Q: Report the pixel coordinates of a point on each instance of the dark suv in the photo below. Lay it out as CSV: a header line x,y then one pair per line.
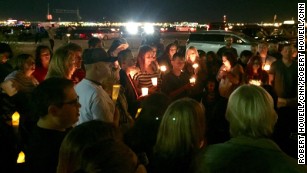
x,y
212,40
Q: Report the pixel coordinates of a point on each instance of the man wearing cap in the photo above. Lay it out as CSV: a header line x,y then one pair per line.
x,y
96,103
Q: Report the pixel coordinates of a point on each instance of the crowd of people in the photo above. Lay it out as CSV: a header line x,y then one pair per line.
x,y
164,110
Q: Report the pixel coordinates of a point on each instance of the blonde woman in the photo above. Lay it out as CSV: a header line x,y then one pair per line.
x,y
65,61
192,65
251,115
180,136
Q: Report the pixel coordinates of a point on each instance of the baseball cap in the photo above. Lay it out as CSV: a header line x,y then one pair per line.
x,y
91,56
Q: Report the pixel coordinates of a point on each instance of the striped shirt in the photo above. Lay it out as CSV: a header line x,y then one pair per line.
x,y
143,79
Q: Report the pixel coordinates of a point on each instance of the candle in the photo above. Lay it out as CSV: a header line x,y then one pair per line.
x,y
163,68
195,65
192,80
133,71
266,67
138,112
255,82
115,92
21,157
15,119
154,81
144,91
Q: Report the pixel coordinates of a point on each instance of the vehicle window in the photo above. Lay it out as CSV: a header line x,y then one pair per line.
x,y
237,40
207,37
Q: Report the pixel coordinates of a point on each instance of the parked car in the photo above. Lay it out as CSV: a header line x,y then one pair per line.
x,y
212,40
255,31
86,33
107,33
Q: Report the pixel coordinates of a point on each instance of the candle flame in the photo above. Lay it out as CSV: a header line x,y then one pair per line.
x,y
163,68
21,157
138,112
15,119
266,67
195,65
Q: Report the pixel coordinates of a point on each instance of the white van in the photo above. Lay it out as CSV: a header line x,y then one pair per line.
x,y
212,40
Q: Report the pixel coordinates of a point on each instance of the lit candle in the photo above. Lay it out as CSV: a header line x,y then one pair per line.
x,y
115,92
154,81
266,67
132,72
163,68
21,157
195,65
144,91
192,80
255,82
15,119
138,112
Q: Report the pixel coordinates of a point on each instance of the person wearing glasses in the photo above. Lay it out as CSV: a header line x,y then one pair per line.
x,y
56,104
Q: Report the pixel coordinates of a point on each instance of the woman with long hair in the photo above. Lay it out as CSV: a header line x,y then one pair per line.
x,y
254,73
181,134
143,77
230,75
43,55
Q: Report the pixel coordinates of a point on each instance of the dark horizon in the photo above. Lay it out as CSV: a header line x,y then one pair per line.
x,y
200,11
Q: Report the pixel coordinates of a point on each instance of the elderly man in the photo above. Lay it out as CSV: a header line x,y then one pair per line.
x,y
96,103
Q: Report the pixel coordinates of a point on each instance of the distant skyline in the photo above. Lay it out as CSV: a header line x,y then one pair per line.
x,y
153,10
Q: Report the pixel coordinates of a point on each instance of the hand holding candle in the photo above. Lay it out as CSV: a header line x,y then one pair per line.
x,y
255,82
192,81
163,68
266,67
154,81
195,65
144,91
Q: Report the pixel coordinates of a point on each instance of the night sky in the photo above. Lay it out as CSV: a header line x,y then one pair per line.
x,y
153,10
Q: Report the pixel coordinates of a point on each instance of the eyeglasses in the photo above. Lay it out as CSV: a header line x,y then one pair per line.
x,y
72,102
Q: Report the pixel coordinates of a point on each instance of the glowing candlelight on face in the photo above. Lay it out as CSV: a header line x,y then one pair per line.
x,y
154,81
163,68
255,82
195,65
144,91
15,119
115,92
21,157
266,67
192,80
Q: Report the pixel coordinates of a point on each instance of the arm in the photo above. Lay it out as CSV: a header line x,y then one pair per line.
x,y
236,75
221,73
271,79
180,90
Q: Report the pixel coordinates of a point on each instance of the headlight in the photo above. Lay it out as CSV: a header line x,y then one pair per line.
x,y
149,29
132,28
